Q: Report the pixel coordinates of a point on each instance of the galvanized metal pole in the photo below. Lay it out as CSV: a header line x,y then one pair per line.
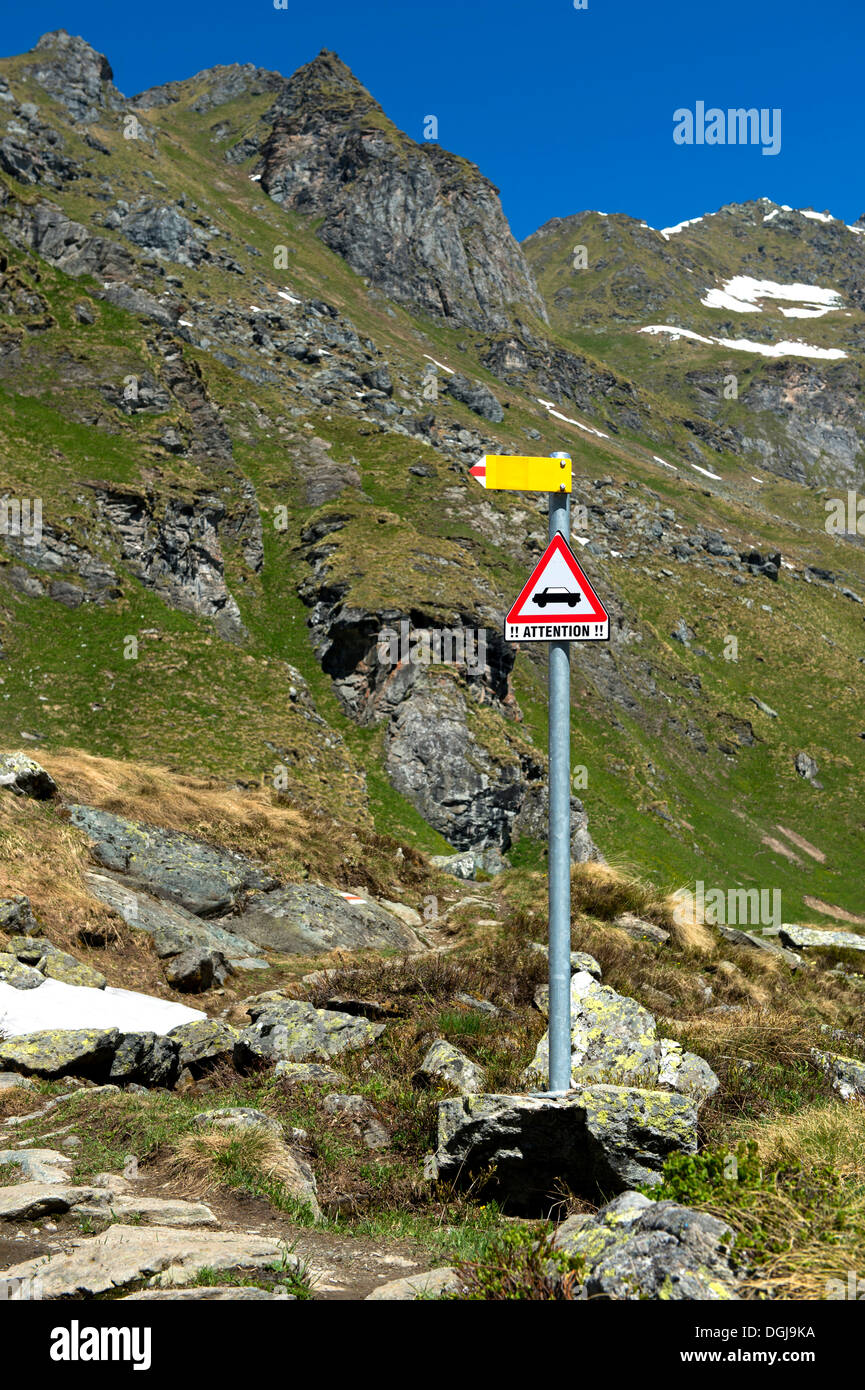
x,y
559,866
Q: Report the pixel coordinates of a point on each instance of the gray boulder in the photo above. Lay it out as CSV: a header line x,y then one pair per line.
x,y
445,1063
16,916
308,918
307,1074
18,976
634,1248
476,396
807,938
25,777
150,1059
293,1031
594,1139
204,1043
173,928
170,863
615,1040
807,768
54,1052
196,970
846,1073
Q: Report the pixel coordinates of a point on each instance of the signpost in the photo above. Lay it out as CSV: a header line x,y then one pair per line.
x,y
557,605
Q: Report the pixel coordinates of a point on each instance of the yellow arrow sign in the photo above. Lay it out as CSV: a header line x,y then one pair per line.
x,y
517,473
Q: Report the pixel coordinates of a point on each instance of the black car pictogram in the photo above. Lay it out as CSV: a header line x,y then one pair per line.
x,y
555,594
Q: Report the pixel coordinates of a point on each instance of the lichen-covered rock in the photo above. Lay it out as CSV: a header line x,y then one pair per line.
x,y
30,950
204,1043
615,1040
16,916
685,1071
846,1073
54,1052
25,777
170,863
444,1062
594,1139
293,1031
19,976
151,1059
308,1074
580,960
634,1248
59,965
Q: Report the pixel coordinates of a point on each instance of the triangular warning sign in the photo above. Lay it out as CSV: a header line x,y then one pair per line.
x,y
558,604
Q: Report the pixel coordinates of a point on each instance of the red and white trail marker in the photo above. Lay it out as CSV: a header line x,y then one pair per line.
x,y
558,604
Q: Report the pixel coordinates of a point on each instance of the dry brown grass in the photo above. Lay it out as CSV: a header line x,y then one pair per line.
x,y
16,1100
830,1132
204,1162
203,806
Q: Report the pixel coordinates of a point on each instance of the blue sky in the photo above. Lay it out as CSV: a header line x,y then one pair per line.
x,y
563,109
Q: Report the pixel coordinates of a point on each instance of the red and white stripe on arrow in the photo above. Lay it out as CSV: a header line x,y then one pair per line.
x,y
479,471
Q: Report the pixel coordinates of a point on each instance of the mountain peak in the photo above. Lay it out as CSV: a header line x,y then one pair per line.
x,y
75,74
327,84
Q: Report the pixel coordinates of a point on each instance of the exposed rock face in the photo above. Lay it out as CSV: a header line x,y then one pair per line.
x,y
125,1255
303,919
178,555
75,75
595,1138
636,1249
171,864
476,396
172,927
422,224
532,820
164,231
433,757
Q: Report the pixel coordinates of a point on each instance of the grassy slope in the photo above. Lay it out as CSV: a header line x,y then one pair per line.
x,y
180,702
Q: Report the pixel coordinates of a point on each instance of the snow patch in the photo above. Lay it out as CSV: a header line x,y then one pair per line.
x,y
785,349
667,232
717,477
58,1005
557,415
742,292
665,463
441,365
